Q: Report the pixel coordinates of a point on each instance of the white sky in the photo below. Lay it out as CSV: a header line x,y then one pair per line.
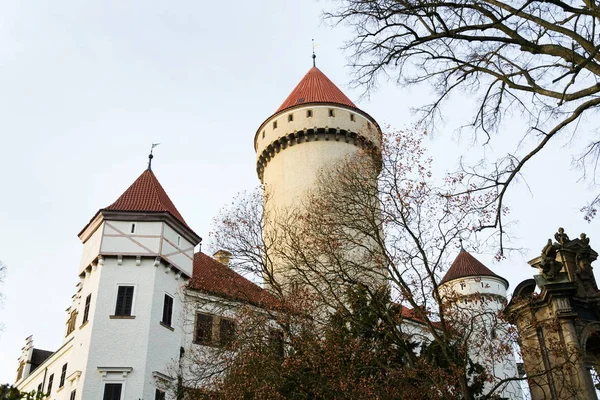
x,y
86,87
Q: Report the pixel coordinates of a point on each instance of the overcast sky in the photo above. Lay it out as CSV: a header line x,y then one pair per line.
x,y
86,87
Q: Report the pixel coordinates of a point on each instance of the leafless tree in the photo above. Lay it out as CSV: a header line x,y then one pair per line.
x,y
356,231
540,59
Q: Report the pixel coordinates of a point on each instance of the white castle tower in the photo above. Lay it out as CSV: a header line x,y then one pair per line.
x,y
138,253
123,328
314,129
475,296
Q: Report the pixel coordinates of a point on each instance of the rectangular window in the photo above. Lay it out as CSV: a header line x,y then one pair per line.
x,y
309,113
72,395
132,228
331,113
40,387
203,334
274,124
124,301
71,322
226,332
178,240
167,310
290,117
276,342
63,375
112,391
50,380
159,395
351,117
86,309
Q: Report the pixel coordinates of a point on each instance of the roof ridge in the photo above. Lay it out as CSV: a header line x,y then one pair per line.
x,y
158,188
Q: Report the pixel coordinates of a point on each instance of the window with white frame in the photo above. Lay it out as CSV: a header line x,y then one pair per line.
x,y
86,309
63,375
124,304
112,391
167,316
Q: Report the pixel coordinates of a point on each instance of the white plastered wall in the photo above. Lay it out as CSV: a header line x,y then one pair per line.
x,y
478,302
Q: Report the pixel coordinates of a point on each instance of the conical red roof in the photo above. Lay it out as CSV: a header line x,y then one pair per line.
x,y
315,87
465,265
146,195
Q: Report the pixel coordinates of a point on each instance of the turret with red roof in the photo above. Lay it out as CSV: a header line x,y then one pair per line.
x,y
475,296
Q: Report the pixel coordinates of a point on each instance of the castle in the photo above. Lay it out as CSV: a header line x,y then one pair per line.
x,y
139,265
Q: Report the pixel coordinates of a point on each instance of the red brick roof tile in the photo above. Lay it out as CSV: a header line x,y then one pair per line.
x,y
146,194
465,265
212,277
315,87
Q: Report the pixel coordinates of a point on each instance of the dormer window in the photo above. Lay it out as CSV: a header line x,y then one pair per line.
x,y
274,124
132,228
308,113
290,117
331,112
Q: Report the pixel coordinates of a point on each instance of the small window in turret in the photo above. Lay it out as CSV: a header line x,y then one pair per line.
x,y
178,240
290,117
132,228
308,113
263,134
331,113
274,124
351,117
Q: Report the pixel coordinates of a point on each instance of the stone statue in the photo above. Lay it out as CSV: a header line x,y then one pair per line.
x,y
561,237
584,260
550,267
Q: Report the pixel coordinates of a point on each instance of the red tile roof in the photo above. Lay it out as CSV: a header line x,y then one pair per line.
x,y
146,194
315,87
465,265
412,314
212,277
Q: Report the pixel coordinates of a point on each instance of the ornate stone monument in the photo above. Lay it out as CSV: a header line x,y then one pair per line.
x,y
557,314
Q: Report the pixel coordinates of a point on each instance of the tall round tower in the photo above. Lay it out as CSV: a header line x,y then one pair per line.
x,y
315,128
474,297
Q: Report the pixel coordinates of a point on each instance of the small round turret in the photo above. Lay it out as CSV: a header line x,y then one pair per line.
x,y
473,297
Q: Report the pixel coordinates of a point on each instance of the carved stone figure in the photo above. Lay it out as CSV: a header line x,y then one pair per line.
x,y
561,237
584,260
550,267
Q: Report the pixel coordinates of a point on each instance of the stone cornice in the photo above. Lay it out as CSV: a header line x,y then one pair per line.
x,y
313,135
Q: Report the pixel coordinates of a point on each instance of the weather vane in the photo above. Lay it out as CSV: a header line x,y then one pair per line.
x,y
150,156
314,56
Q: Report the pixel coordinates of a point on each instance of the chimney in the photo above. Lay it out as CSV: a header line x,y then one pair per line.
x,y
222,256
